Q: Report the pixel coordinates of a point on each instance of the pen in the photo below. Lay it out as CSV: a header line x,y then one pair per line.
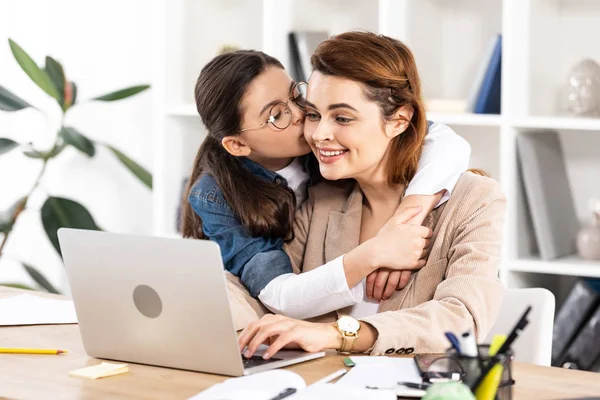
x,y
31,351
488,387
453,341
412,385
515,332
331,377
287,392
468,344
501,354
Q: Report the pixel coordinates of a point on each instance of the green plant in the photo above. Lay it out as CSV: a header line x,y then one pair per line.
x,y
56,212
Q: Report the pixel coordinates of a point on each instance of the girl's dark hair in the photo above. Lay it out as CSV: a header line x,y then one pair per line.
x,y
264,208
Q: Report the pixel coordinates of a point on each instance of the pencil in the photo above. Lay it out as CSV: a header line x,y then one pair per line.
x,y
31,351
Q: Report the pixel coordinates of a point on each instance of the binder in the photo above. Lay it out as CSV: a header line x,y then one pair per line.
x,y
585,349
581,302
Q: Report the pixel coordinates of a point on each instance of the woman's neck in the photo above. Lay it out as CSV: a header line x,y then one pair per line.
x,y
380,197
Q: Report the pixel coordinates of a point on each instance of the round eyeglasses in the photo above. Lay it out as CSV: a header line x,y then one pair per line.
x,y
280,114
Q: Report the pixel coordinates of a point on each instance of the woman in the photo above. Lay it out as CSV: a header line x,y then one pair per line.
x,y
249,177
366,125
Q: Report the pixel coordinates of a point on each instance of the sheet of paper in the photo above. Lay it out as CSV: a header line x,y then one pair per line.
x,y
333,391
383,373
26,309
260,386
101,370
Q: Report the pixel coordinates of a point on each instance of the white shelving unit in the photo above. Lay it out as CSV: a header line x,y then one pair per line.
x,y
542,40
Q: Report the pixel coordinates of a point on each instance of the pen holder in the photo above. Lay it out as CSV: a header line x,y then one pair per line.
x,y
473,366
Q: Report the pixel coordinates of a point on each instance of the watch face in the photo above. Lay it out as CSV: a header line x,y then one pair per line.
x,y
348,324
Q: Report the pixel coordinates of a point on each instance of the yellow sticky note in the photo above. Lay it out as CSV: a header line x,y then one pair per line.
x,y
100,371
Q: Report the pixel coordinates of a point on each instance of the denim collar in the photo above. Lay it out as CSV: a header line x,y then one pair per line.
x,y
259,170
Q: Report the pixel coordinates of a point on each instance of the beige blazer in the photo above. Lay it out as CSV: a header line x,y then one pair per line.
x,y
457,289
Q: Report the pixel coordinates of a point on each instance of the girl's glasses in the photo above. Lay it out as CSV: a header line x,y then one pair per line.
x,y
280,114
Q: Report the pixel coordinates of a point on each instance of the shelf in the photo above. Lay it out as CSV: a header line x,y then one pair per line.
x,y
571,265
465,119
565,123
182,110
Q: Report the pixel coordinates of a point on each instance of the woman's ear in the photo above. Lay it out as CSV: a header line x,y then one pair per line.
x,y
235,146
400,121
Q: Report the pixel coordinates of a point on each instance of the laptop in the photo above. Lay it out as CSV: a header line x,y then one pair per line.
x,y
157,301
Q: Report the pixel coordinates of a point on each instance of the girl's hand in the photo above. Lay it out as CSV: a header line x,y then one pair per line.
x,y
399,245
381,284
283,332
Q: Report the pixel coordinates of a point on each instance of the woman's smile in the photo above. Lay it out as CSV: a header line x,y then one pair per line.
x,y
329,156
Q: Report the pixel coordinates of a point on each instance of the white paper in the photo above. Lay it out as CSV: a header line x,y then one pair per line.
x,y
383,373
332,391
260,386
26,309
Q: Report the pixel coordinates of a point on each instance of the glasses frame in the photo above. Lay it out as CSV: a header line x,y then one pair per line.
x,y
270,120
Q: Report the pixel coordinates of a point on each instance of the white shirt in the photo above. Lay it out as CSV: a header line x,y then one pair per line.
x,y
444,158
296,178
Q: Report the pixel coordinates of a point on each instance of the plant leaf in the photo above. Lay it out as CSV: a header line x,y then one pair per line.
x,y
80,142
10,101
32,153
7,145
17,286
140,172
6,216
37,75
58,212
45,155
57,75
40,279
123,93
74,88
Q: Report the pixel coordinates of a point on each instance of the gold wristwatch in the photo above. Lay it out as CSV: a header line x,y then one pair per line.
x,y
349,328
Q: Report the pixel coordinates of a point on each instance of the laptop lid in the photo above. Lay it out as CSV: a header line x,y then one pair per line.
x,y
151,300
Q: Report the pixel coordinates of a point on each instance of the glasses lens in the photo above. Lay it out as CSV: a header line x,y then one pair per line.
x,y
280,116
299,94
444,369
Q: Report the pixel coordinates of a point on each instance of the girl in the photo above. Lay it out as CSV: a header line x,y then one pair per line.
x,y
252,172
365,123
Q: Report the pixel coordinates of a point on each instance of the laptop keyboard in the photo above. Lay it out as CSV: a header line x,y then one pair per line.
x,y
257,360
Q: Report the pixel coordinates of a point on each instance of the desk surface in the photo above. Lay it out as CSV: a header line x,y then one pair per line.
x,y
40,376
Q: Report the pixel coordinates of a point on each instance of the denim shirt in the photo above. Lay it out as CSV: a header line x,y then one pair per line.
x,y
256,260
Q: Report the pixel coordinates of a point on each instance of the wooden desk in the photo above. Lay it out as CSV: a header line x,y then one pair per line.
x,y
39,376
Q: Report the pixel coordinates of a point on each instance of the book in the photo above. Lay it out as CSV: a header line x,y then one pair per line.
x,y
585,349
302,46
488,97
548,193
483,65
581,302
269,384
295,66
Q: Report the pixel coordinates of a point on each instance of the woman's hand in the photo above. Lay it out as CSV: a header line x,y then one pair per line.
x,y
381,284
283,332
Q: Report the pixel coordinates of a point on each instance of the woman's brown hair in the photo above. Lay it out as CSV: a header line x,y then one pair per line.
x,y
264,208
389,73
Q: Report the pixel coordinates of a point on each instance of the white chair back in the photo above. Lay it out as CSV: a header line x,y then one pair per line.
x,y
534,344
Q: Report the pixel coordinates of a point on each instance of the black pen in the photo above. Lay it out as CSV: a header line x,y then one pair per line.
x,y
501,353
287,392
412,385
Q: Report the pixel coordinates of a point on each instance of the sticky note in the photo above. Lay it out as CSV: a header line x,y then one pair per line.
x,y
100,371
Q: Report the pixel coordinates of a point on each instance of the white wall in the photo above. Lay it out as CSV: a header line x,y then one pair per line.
x,y
103,46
